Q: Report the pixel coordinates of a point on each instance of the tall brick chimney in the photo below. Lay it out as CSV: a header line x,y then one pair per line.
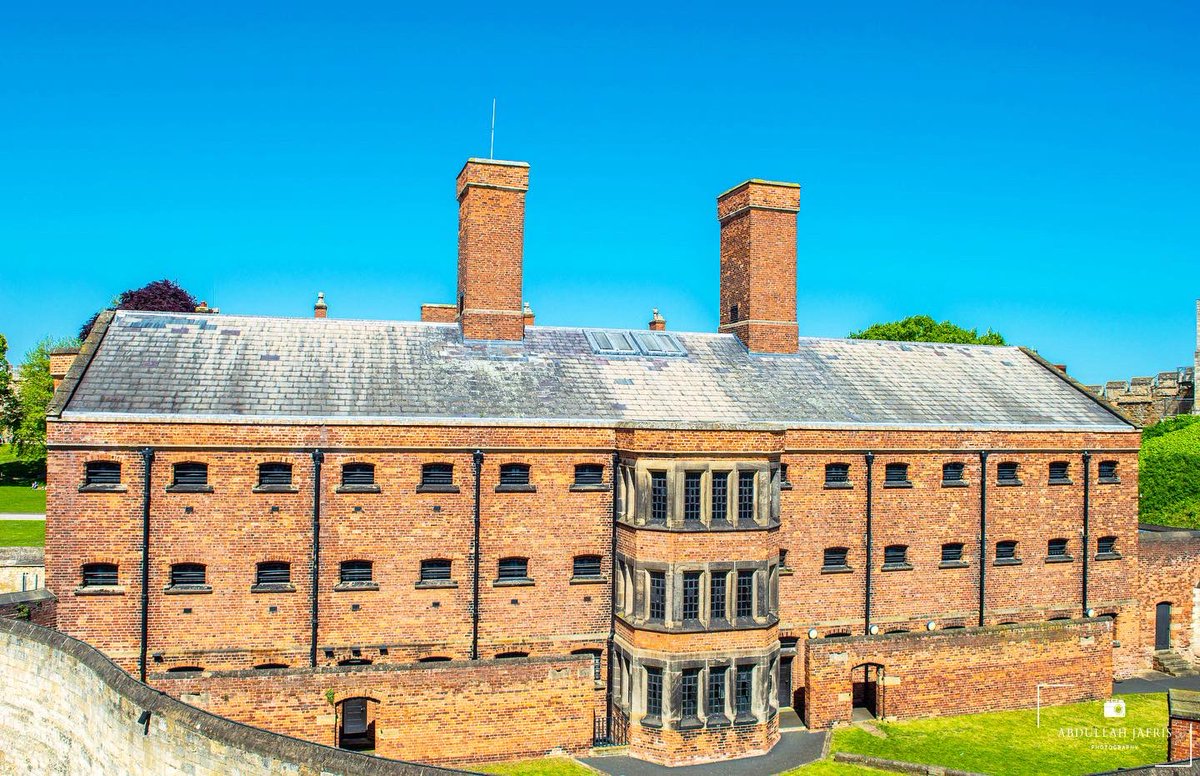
x,y
758,264
491,236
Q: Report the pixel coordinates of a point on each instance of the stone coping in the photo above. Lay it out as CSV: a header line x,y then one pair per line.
x,y
225,731
22,556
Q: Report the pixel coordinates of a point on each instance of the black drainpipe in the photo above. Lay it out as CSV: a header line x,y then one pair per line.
x,y
1087,484
983,478
318,458
478,458
147,462
870,459
612,619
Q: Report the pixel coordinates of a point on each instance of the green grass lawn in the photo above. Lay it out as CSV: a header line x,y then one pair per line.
x,y
543,766
22,533
1072,739
22,498
833,768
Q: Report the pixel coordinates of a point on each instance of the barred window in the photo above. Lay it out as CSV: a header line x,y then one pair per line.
x,y
743,689
952,552
1007,472
895,474
653,691
187,574
437,474
586,566
99,574
514,474
658,497
513,568
835,557
837,473
689,692
691,595
1108,471
1056,548
1060,472
658,595
952,472
745,593
1106,545
355,571
358,474
720,495
435,570
1006,550
691,497
273,572
717,600
102,473
589,474
895,555
745,497
716,690
190,474
277,474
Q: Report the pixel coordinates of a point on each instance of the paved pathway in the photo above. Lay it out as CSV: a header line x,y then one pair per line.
x,y
1154,681
793,750
20,516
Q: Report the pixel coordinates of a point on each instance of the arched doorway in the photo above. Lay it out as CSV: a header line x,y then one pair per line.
x,y
1162,626
356,724
866,691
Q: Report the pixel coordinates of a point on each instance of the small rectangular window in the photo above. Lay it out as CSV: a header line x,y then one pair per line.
x,y
273,573
745,593
1006,550
589,474
1056,548
358,474
102,473
435,570
187,574
1060,472
1106,545
720,495
1108,471
658,595
716,690
355,571
717,599
653,691
835,557
586,566
691,497
691,595
952,472
99,575
190,475
952,553
689,693
895,555
274,474
783,561
514,474
513,568
1006,473
746,497
837,474
438,475
658,497
743,689
896,474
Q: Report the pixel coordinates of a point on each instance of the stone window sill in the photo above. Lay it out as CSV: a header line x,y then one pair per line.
x,y
839,485
273,587
98,488
1108,556
516,488
357,489
785,485
438,489
745,718
1109,480
905,484
343,587
953,564
689,723
1009,483
836,570
897,567
955,484
718,721
1059,559
435,584
1007,562
1061,482
187,589
101,590
517,582
784,571
652,721
595,488
587,581
189,489
274,489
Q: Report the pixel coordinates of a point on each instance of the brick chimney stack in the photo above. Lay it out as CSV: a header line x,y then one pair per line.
x,y
758,264
320,309
60,363
657,322
491,235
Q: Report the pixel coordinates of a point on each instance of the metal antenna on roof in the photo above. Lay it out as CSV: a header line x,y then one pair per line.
x,y
492,145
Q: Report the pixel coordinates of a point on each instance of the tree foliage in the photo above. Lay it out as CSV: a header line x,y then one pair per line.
x,y
34,392
922,328
164,296
1169,473
8,398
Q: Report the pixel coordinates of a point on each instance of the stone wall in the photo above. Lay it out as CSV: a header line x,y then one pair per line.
x,y
447,712
985,669
67,709
1147,400
22,568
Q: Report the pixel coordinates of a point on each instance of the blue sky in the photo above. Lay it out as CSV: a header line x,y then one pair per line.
x,y
1026,166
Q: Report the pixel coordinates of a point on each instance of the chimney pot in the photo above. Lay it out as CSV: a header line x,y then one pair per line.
x,y
491,235
657,322
320,309
758,264
527,314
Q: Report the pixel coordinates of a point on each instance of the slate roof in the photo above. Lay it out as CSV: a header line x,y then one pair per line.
x,y
183,366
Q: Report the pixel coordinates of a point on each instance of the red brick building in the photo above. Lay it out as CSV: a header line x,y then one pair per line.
x,y
725,523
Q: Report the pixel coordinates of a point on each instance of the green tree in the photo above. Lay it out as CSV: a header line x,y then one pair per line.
x,y
8,399
922,328
34,392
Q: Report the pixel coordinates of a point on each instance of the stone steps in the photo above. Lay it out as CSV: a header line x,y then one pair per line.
x,y
1171,662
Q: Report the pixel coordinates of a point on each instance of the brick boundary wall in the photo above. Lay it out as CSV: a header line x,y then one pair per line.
x,y
452,712
68,709
995,668
1169,569
37,606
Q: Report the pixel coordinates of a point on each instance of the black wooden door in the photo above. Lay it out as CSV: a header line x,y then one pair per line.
x,y
1162,626
785,682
